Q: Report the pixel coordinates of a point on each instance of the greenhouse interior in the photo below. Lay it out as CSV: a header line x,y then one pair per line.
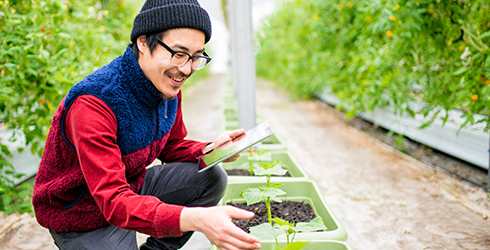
x,y
297,124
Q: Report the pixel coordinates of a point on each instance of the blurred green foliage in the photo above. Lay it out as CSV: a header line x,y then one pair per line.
x,y
383,53
45,48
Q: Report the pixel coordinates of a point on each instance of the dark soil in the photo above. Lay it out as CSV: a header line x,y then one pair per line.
x,y
468,172
291,211
244,172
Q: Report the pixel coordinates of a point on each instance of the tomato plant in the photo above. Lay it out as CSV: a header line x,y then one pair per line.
x,y
383,53
46,47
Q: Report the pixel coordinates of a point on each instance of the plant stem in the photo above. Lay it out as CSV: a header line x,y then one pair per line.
x,y
293,237
269,214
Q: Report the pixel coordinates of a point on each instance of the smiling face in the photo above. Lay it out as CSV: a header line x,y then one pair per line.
x,y
156,66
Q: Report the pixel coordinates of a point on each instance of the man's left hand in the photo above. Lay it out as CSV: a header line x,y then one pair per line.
x,y
226,140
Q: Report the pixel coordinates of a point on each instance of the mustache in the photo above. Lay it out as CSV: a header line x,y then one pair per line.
x,y
178,75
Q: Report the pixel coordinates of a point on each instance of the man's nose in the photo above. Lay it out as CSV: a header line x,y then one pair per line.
x,y
186,69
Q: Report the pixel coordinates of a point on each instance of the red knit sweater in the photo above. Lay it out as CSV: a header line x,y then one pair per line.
x,y
95,185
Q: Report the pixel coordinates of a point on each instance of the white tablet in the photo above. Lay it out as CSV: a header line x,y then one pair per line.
x,y
252,137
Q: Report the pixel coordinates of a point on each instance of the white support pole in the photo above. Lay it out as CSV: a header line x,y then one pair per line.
x,y
243,60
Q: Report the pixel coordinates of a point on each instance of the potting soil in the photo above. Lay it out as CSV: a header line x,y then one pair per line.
x,y
291,211
244,172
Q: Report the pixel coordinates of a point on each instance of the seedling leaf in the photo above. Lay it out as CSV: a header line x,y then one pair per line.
x,y
255,195
314,225
265,156
272,169
265,231
282,222
296,246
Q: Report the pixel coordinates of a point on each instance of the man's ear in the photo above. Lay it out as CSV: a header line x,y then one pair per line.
x,y
141,43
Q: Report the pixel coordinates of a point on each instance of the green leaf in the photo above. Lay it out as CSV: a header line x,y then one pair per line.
x,y
460,71
263,156
6,199
426,124
486,34
296,246
350,114
6,98
275,170
64,35
10,65
255,195
282,222
18,175
265,231
273,193
60,53
269,165
72,67
44,53
311,226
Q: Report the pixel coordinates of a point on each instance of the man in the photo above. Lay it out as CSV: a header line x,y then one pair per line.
x,y
93,190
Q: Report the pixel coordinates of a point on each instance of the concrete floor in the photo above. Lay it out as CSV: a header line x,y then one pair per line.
x,y
384,199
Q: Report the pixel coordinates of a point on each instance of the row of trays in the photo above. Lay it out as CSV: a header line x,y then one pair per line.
x,y
297,185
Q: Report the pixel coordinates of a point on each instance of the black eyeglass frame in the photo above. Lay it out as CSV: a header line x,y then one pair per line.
x,y
193,58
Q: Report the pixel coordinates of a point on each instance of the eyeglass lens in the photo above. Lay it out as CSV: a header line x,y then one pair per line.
x,y
179,59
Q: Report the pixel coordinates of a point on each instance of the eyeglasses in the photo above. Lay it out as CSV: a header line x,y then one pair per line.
x,y
180,58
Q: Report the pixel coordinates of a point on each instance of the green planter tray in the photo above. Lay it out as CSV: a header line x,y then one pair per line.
x,y
230,114
285,159
272,143
296,190
313,245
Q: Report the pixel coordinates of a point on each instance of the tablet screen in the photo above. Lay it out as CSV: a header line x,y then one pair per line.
x,y
252,137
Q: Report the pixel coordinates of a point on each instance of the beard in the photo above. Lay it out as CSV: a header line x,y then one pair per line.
x,y
175,88
169,98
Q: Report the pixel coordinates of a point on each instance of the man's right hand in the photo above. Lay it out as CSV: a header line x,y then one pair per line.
x,y
215,223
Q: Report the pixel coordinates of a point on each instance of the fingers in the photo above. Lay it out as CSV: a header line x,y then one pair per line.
x,y
233,158
216,224
237,132
227,139
236,238
235,243
239,213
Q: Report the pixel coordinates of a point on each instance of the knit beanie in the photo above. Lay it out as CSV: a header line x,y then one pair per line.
x,y
160,15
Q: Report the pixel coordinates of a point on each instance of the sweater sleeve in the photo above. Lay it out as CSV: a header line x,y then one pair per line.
x,y
177,148
91,127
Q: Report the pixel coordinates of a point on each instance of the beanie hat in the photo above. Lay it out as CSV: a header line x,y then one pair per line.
x,y
160,15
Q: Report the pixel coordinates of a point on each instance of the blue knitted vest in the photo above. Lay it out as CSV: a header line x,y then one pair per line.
x,y
142,114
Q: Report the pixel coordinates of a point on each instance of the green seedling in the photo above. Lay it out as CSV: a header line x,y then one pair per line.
x,y
267,231
266,193
255,158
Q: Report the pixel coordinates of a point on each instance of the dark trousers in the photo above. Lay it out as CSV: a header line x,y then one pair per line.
x,y
175,183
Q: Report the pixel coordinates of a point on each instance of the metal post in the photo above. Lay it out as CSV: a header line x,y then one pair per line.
x,y
231,26
243,60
